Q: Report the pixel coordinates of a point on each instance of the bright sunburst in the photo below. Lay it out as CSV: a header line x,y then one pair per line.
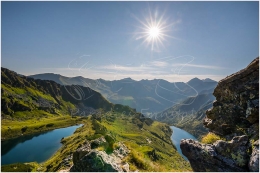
x,y
153,30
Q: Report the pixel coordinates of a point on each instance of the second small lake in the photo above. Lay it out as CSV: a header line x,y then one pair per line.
x,y
37,147
179,134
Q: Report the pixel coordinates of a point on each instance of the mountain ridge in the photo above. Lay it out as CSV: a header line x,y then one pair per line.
x,y
33,105
152,95
25,98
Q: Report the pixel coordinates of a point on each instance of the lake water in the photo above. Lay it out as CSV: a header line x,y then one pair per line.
x,y
39,147
179,134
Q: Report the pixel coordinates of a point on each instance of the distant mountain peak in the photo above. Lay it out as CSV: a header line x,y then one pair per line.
x,y
197,80
194,80
127,79
208,80
79,77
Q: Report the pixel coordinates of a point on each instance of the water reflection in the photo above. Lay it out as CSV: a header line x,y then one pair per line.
x,y
38,147
9,144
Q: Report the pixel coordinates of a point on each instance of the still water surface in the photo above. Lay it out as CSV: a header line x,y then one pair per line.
x,y
179,134
42,146
39,147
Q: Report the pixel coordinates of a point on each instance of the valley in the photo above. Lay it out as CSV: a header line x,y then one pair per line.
x,y
115,137
179,104
129,86
34,106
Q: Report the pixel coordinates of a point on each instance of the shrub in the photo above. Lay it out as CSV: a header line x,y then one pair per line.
x,y
210,138
24,129
49,125
110,142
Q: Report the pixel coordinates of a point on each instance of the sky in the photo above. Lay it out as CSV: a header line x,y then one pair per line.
x,y
175,41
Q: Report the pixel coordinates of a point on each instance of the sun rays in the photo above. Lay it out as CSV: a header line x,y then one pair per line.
x,y
153,30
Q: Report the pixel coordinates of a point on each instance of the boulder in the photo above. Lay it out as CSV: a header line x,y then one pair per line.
x,y
221,156
122,151
97,142
93,162
81,152
87,159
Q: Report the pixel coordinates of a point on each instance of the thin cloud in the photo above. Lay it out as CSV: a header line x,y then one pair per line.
x,y
159,63
125,68
136,75
199,66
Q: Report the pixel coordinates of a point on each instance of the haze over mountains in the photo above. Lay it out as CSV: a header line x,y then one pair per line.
x,y
146,96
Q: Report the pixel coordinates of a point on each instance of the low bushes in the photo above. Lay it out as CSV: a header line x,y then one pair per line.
x,y
210,138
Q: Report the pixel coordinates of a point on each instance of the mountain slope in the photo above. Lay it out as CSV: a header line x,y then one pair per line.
x,y
200,85
189,114
148,96
25,99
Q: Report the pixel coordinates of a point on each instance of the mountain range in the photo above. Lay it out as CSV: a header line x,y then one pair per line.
x,y
109,131
179,104
144,95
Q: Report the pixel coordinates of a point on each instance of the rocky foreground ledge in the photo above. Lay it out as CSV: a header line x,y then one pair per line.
x,y
235,118
222,156
88,159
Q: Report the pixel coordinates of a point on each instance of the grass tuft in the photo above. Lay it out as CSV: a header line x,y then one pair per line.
x,y
210,138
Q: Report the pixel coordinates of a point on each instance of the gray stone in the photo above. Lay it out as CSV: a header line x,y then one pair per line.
x,y
86,159
126,167
222,155
92,162
231,114
80,152
254,159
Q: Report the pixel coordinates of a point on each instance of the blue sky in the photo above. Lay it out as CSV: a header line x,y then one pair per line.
x,y
107,39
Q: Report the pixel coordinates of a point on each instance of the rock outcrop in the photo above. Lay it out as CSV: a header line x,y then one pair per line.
x,y
236,109
87,159
221,156
235,118
94,161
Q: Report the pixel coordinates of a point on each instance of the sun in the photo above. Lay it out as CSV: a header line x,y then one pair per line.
x,y
154,32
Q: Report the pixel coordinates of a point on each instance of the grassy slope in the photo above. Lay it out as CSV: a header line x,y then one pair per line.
x,y
35,120
31,106
20,167
11,129
121,128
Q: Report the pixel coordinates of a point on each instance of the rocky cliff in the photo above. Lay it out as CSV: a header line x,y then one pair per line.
x,y
235,118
